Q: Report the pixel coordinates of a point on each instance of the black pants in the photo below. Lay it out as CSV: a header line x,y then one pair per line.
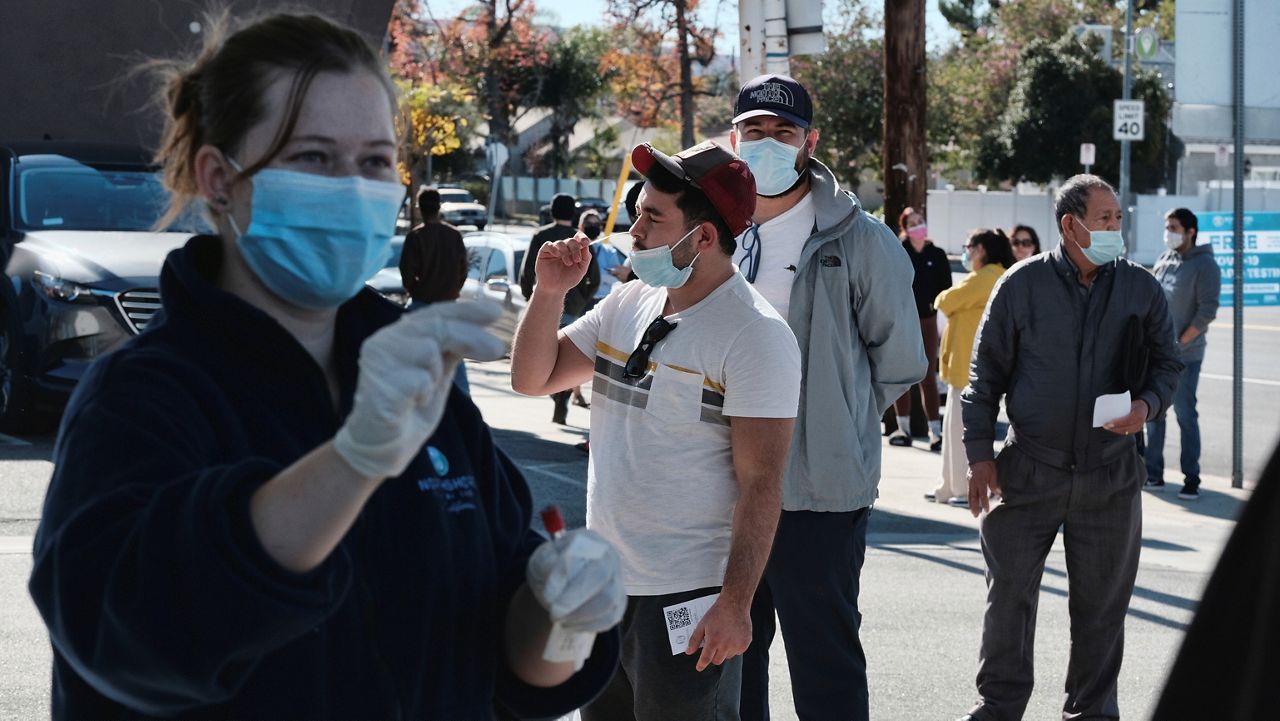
x,y
652,684
811,581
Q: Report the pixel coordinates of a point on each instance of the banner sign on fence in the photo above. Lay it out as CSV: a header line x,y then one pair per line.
x,y
1261,254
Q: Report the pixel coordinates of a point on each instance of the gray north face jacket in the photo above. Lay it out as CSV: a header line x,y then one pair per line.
x,y
854,316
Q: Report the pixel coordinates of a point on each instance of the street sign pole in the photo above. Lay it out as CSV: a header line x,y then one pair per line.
x,y
1126,222
1237,245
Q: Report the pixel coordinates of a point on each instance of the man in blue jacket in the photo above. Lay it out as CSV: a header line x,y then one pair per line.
x,y
1062,331
843,282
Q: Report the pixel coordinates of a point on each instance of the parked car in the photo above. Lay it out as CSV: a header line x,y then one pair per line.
x,y
387,281
493,272
458,207
600,205
82,266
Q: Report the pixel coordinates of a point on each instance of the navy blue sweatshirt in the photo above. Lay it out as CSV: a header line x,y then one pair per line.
x,y
160,600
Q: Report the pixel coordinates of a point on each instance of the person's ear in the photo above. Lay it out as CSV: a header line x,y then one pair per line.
x,y
811,140
709,236
214,178
733,139
1065,225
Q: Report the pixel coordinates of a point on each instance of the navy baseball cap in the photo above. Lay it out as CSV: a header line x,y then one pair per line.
x,y
774,95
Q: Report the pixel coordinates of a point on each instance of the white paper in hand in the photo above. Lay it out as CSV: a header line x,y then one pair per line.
x,y
683,618
565,645
1110,407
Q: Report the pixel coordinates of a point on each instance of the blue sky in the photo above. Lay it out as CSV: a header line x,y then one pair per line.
x,y
723,12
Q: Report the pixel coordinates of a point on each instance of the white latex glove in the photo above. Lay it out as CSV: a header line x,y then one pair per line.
x,y
578,579
406,370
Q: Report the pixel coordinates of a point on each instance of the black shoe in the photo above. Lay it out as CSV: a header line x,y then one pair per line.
x,y
936,445
931,497
581,402
1189,492
899,439
1154,483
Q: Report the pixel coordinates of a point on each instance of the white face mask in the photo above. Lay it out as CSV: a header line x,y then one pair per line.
x,y
1172,239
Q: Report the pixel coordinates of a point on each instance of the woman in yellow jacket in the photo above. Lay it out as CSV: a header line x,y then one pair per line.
x,y
987,254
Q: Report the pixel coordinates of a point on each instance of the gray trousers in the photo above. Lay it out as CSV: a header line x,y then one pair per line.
x,y
1100,514
651,684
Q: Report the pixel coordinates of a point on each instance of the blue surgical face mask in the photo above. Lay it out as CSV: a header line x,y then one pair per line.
x,y
655,268
1104,246
773,163
314,239
966,261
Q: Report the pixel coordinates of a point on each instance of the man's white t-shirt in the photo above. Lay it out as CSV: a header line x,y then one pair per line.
x,y
781,240
660,479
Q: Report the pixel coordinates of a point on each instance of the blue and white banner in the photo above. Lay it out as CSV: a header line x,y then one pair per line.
x,y
1261,254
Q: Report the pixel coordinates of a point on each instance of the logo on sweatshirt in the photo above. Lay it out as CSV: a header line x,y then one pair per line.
x,y
438,461
455,494
831,261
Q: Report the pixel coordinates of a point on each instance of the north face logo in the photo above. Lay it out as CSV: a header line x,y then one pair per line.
x,y
773,94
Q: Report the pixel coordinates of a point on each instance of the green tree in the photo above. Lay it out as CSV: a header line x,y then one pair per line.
x,y
848,94
657,42
1062,96
437,116
965,15
572,87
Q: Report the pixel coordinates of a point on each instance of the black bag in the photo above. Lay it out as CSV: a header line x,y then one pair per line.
x,y
1137,354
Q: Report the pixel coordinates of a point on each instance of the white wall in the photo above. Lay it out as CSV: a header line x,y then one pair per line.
x,y
1147,227
526,195
953,213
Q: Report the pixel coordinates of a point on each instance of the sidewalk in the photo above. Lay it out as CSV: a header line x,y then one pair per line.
x,y
923,592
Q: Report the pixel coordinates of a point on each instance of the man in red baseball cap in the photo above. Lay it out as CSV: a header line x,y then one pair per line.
x,y
695,384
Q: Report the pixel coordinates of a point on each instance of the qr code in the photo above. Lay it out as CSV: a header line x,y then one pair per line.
x,y
678,618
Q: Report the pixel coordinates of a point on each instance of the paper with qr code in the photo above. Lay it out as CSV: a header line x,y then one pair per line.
x,y
683,618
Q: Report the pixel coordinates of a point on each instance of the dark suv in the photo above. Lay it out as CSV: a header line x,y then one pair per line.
x,y
82,266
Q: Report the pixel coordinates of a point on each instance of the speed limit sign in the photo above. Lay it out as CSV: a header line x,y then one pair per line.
x,y
1127,120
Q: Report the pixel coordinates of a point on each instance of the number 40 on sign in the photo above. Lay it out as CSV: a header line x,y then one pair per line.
x,y
1127,120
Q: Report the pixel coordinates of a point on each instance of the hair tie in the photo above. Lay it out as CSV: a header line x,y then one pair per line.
x,y
188,95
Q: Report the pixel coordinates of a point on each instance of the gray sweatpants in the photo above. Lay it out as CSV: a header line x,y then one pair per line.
x,y
1100,514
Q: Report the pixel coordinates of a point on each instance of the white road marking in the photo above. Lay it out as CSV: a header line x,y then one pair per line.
x,y
1258,381
14,545
544,469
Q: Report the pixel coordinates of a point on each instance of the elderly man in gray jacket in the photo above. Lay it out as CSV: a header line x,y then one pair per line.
x,y
1061,330
843,282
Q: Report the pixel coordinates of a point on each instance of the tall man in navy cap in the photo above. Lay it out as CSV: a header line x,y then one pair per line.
x,y
843,282
695,384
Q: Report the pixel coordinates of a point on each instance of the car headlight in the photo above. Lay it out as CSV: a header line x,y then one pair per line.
x,y
56,288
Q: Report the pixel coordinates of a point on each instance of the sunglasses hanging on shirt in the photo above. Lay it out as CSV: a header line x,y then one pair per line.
x,y
638,363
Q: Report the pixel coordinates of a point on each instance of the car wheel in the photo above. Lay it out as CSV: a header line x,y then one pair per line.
x,y
480,225
17,409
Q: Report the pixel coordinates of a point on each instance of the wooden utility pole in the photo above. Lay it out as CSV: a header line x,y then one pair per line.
x,y
906,154
686,75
